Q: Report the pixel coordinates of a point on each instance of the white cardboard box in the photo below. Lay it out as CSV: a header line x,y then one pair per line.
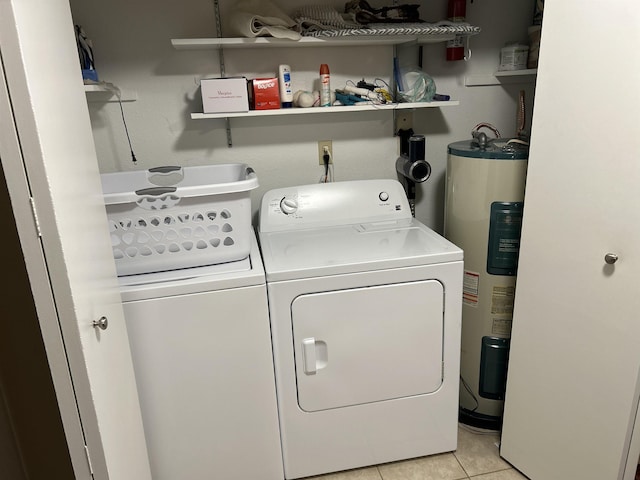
x,y
224,95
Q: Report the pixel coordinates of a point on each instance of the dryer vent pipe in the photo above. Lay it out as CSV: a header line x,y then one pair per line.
x,y
413,168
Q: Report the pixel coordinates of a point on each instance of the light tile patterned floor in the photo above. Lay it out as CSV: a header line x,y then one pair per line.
x,y
476,458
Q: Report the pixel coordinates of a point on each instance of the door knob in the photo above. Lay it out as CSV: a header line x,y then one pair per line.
x,y
102,323
611,258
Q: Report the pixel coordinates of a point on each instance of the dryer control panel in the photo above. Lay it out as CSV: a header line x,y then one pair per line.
x,y
333,204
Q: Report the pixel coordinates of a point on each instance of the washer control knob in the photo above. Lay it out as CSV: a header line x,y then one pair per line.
x,y
383,196
288,205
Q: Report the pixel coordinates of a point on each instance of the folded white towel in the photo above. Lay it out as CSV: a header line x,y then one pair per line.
x,y
258,18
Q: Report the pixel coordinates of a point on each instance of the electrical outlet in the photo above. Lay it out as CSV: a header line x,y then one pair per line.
x,y
321,146
404,120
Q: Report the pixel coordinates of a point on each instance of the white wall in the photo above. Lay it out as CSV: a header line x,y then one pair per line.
x,y
133,50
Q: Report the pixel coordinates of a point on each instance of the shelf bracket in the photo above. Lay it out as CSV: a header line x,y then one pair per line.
x,y
394,87
216,8
229,139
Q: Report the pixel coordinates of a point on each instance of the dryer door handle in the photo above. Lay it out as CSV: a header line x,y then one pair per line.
x,y
309,355
315,355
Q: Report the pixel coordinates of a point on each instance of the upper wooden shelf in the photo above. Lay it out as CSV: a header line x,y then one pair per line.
x,y
270,42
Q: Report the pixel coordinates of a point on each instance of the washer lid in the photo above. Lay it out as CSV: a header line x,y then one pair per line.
x,y
353,248
242,273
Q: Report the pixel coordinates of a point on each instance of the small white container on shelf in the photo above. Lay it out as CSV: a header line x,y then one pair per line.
x,y
513,57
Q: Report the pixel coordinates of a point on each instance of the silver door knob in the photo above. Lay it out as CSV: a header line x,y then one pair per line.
x,y
611,258
102,323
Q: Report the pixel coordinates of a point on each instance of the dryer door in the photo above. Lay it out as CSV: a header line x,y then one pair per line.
x,y
368,344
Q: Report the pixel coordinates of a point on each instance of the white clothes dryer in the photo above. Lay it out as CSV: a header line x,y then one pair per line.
x,y
201,347
365,308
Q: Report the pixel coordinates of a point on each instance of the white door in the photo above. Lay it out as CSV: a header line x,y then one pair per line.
x,y
572,388
48,157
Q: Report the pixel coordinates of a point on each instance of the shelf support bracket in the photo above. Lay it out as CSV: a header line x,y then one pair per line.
x,y
216,8
229,139
394,87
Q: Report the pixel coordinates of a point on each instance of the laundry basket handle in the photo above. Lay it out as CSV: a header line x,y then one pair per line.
x,y
165,176
166,169
155,191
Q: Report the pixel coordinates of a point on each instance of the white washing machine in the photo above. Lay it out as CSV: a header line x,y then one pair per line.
x,y
365,307
201,347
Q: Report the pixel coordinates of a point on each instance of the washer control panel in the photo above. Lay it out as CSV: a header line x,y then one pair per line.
x,y
337,203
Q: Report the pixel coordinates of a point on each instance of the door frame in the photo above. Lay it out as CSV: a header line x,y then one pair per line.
x,y
32,251
54,184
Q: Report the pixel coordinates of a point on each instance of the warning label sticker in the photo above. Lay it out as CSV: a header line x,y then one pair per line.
x,y
470,285
502,300
501,326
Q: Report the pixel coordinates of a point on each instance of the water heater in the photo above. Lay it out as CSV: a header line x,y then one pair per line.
x,y
483,216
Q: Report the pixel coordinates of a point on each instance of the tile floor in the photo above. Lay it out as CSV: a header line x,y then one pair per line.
x,y
477,458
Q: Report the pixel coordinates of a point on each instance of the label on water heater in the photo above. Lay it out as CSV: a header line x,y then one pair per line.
x,y
502,298
504,238
470,284
501,326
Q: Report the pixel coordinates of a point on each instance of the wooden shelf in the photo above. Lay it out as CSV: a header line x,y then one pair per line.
x,y
325,110
516,73
305,42
502,77
102,93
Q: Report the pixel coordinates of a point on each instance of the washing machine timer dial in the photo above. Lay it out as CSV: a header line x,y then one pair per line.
x,y
288,205
383,196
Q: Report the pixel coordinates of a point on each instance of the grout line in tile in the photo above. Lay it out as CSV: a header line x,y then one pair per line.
x,y
493,471
379,472
460,463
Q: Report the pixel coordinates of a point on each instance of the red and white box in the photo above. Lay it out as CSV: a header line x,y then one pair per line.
x,y
266,94
224,95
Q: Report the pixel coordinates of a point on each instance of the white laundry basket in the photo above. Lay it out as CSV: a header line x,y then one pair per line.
x,y
168,218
